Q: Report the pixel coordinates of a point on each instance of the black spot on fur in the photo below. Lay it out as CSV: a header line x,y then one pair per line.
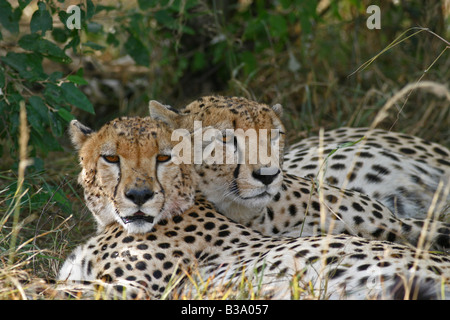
x,y
336,273
315,205
338,166
373,178
360,256
270,213
128,239
378,232
309,167
301,253
444,162
390,155
407,150
365,155
441,152
331,198
377,214
391,237
357,207
276,198
380,169
292,210
358,220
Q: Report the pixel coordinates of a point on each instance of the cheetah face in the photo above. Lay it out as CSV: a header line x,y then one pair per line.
x,y
243,165
128,174
248,171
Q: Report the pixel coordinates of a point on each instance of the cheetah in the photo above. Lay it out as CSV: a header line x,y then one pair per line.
x,y
103,167
248,187
401,171
126,167
421,150
283,204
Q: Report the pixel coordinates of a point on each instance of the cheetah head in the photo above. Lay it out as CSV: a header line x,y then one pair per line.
x,y
242,129
128,174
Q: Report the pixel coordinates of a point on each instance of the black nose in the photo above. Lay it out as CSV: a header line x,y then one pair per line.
x,y
266,175
139,196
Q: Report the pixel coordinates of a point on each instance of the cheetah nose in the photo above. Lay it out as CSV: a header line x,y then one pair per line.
x,y
139,196
266,175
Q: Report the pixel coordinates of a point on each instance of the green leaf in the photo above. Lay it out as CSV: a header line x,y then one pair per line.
x,y
29,65
53,95
2,78
74,43
250,61
63,16
100,8
34,114
36,43
39,107
53,52
90,9
77,98
278,26
77,79
9,18
187,30
55,123
147,4
136,49
29,41
60,35
93,45
111,39
199,61
45,143
55,76
65,115
165,18
41,19
23,3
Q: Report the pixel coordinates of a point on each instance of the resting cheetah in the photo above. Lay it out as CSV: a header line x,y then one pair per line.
x,y
126,166
430,153
401,171
283,204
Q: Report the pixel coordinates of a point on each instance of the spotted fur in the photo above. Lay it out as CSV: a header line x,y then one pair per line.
x,y
301,206
401,171
424,151
202,241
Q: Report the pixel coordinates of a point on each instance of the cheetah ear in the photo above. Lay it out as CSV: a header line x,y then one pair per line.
x,y
79,133
278,109
163,113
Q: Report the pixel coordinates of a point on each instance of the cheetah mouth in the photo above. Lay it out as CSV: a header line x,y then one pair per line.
x,y
258,196
138,216
264,194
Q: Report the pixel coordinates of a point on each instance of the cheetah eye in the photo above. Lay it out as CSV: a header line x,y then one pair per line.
x,y
163,157
227,137
112,159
